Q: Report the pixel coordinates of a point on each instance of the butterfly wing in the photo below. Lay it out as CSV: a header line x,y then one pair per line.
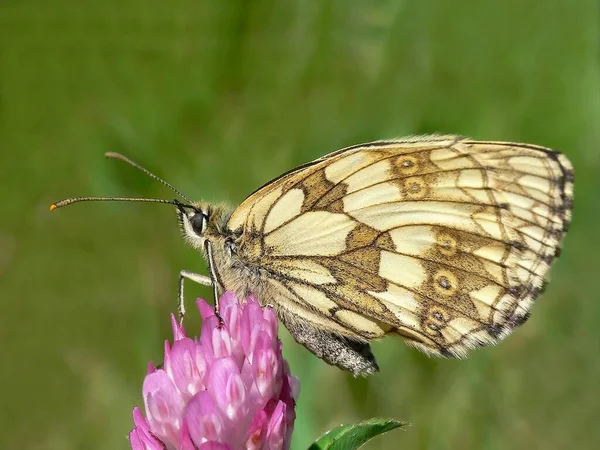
x,y
442,240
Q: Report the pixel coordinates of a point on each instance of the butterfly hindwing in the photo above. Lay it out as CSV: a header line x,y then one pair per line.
x,y
441,240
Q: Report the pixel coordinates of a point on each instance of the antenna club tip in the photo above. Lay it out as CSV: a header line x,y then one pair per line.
x,y
52,207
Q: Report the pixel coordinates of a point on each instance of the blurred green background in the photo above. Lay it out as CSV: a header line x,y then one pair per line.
x,y
218,97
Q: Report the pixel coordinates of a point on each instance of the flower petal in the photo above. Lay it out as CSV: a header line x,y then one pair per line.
x,y
276,429
227,300
178,330
203,419
231,313
270,322
221,342
257,431
186,441
140,437
251,325
151,368
187,367
293,381
266,367
205,309
288,397
164,406
210,326
141,442
227,388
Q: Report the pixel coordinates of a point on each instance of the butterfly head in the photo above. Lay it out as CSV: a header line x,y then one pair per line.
x,y
193,221
200,221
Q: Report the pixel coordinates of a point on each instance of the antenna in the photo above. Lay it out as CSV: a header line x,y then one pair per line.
x,y
147,172
70,201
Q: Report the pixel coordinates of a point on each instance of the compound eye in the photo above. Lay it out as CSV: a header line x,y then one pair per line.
x,y
198,222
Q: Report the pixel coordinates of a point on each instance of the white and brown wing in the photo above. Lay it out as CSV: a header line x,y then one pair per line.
x,y
442,240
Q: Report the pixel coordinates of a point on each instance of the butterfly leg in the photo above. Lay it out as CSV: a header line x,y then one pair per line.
x,y
195,277
214,275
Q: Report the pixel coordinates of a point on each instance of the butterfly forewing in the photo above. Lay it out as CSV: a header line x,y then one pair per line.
x,y
441,240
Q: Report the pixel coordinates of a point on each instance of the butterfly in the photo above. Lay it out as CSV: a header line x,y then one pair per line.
x,y
440,240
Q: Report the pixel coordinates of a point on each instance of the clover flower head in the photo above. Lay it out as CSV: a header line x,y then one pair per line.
x,y
229,389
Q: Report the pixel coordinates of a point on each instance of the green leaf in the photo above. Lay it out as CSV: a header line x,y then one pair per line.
x,y
350,437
